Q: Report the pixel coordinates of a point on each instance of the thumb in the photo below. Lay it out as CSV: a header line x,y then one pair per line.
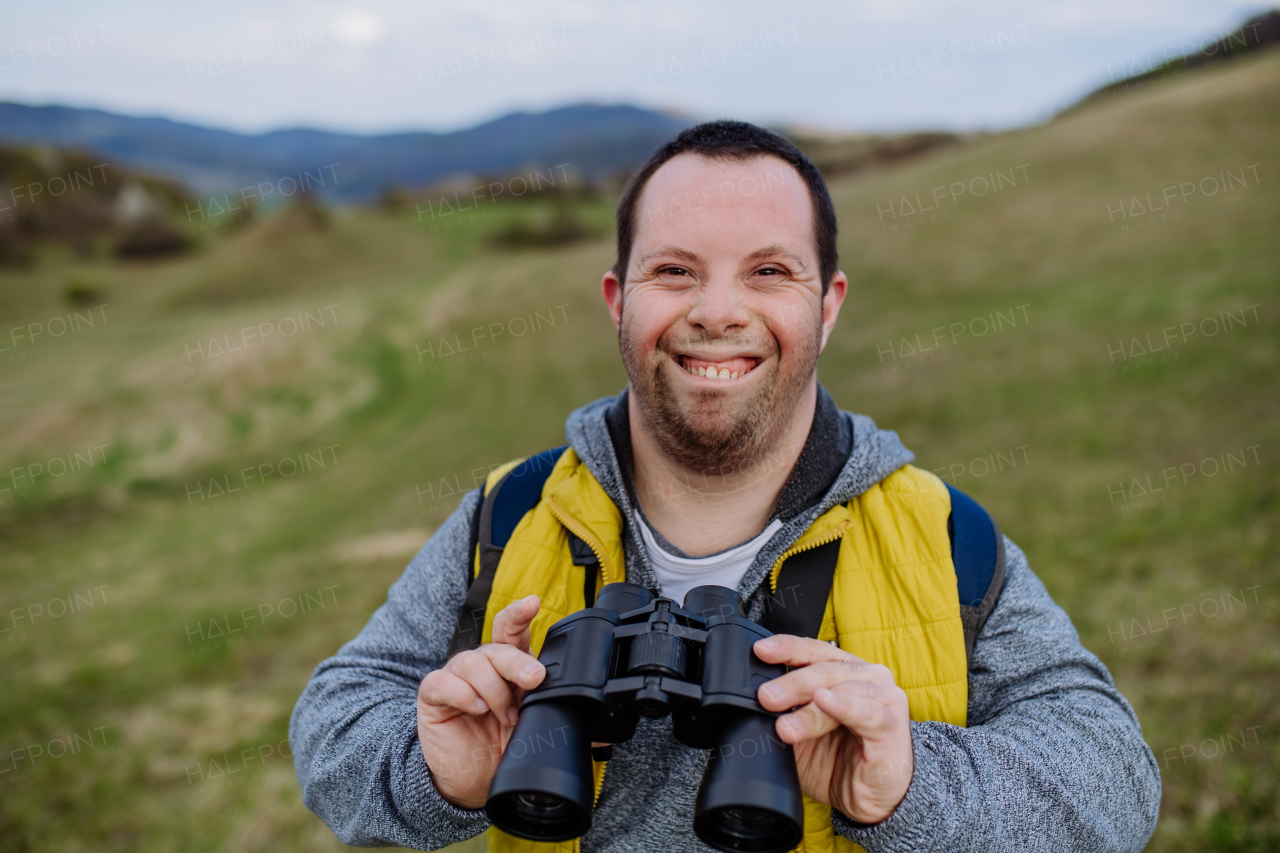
x,y
511,625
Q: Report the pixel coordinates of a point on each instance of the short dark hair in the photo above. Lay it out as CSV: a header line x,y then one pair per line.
x,y
732,140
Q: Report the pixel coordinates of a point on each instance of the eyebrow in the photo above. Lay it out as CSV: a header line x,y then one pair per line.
x,y
675,252
694,258
770,251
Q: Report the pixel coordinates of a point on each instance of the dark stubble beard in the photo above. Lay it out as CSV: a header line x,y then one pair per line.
x,y
719,432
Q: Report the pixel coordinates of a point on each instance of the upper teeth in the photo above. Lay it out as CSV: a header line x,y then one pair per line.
x,y
710,372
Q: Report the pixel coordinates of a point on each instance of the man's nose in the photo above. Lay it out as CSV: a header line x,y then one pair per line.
x,y
720,307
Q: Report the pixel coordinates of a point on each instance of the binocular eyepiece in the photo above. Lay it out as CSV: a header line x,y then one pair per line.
x,y
635,655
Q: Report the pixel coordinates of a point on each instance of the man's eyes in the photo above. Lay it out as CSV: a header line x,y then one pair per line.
x,y
771,272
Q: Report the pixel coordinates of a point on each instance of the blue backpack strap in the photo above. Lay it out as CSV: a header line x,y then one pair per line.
x,y
519,491
977,552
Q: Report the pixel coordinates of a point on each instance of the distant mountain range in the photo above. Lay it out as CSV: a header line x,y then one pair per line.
x,y
593,140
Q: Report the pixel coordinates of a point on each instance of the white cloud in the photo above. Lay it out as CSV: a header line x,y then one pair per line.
x,y
362,66
359,27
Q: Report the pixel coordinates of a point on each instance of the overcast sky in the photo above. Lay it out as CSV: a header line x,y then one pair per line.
x,y
373,67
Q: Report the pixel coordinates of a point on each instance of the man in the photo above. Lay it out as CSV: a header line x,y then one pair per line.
x,y
920,721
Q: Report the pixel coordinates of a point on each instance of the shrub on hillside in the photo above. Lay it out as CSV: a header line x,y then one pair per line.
x,y
77,199
561,226
152,237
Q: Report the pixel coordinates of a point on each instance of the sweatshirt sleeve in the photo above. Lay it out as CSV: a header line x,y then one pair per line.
x,y
1052,759
354,730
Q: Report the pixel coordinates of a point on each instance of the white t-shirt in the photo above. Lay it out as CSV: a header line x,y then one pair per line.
x,y
678,575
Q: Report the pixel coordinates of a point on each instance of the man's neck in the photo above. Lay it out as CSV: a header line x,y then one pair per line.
x,y
705,513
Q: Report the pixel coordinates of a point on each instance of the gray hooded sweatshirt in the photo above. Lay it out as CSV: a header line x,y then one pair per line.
x,y
1052,758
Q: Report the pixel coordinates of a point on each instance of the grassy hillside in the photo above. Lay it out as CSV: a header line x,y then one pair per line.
x,y
347,375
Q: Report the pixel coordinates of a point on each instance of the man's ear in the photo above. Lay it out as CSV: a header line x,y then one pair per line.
x,y
831,304
611,287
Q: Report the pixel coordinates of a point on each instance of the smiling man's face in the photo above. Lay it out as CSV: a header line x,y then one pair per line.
x,y
722,316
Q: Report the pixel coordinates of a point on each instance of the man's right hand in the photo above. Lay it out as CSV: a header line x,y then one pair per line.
x,y
468,709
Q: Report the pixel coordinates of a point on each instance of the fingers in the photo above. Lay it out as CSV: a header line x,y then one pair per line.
x,y
863,707
479,681
490,678
492,670
443,696
805,723
871,716
520,668
864,693
511,625
799,651
798,686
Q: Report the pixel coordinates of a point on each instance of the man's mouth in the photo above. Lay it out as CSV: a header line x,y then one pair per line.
x,y
723,369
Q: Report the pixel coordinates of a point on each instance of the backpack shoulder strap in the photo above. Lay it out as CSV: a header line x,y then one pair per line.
x,y
977,551
517,492
800,598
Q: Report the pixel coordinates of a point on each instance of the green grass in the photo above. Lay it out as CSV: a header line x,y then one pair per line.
x,y
405,431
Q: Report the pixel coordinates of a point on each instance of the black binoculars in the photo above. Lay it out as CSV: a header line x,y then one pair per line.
x,y
634,655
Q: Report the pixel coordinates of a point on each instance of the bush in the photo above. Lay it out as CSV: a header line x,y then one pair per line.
x,y
83,287
151,238
560,227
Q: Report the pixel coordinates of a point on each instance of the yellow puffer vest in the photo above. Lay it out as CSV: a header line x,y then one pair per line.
x,y
893,598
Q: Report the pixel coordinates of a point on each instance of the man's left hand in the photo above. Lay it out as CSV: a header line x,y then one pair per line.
x,y
851,731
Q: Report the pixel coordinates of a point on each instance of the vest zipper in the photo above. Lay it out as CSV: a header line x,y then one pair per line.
x,y
577,842
599,785
832,536
581,532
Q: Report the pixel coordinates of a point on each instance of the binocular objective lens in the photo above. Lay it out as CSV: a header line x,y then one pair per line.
x,y
750,798
543,788
747,829
541,808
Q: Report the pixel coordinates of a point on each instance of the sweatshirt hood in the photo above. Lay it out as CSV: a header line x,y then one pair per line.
x,y
876,454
